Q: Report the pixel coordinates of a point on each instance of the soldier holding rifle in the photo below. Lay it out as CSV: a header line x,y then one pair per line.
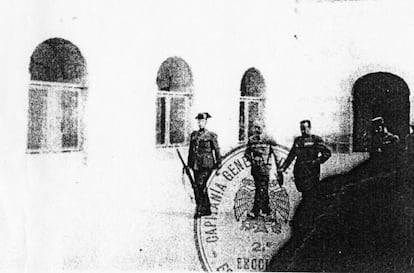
x,y
203,158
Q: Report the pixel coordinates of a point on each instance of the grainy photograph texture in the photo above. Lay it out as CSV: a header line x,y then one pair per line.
x,y
57,94
185,135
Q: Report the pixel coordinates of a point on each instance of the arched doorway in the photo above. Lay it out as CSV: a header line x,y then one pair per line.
x,y
379,94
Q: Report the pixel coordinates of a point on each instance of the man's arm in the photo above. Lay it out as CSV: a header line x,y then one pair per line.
x,y
323,150
396,138
271,142
291,156
391,137
190,160
216,150
248,151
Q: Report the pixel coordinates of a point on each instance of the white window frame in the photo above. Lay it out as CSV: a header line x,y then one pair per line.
x,y
246,100
54,115
168,95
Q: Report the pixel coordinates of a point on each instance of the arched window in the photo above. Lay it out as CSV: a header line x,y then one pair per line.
x,y
175,87
252,101
57,93
379,94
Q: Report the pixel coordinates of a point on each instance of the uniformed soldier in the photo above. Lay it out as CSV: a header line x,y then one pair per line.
x,y
384,149
310,152
383,142
258,152
203,157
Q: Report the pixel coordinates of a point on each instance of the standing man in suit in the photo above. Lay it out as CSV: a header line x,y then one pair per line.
x,y
203,158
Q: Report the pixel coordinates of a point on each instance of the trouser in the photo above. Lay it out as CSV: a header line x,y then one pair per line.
x,y
200,190
308,209
261,197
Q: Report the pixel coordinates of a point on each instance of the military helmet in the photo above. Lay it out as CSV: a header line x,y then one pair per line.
x,y
203,115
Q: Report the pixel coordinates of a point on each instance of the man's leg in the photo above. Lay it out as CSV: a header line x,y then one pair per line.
x,y
198,191
264,194
308,208
256,205
204,200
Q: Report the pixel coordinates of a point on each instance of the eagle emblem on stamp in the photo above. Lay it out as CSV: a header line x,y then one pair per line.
x,y
230,239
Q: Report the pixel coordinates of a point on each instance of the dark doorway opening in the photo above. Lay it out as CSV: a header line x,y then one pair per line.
x,y
379,94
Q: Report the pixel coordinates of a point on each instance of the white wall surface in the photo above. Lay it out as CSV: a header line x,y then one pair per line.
x,y
121,205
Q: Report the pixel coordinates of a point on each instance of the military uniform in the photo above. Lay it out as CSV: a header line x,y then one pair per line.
x,y
310,152
258,153
384,148
383,142
203,157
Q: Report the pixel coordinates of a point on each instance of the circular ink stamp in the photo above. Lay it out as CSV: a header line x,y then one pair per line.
x,y
230,240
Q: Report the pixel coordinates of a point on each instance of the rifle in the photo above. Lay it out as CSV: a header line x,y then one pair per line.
x,y
186,169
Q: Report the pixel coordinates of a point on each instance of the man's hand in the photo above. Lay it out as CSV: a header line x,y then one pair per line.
x,y
218,167
279,178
